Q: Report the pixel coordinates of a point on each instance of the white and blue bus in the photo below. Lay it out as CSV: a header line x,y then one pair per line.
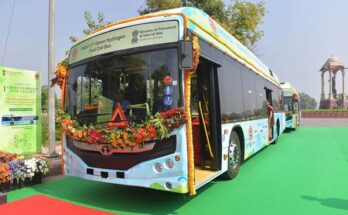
x,y
11,119
137,58
291,106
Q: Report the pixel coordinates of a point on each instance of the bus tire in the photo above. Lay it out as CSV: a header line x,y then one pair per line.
x,y
31,122
278,131
11,123
234,157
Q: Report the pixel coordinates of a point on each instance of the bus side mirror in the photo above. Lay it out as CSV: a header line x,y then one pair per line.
x,y
186,55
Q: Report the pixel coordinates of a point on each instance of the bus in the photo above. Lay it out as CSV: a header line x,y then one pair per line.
x,y
291,106
177,68
10,119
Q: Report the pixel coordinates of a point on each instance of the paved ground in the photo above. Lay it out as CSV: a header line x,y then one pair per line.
x,y
324,122
305,173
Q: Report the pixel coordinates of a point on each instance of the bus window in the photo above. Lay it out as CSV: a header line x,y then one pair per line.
x,y
139,75
5,119
231,91
261,110
16,118
249,94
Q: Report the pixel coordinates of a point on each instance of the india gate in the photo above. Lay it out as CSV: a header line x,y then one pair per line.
x,y
333,66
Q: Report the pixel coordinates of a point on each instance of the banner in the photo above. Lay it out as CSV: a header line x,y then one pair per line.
x,y
20,111
126,38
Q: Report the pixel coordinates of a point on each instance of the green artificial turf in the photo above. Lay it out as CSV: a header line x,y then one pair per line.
x,y
305,173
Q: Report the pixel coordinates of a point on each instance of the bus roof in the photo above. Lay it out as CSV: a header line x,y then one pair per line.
x,y
288,89
206,28
202,25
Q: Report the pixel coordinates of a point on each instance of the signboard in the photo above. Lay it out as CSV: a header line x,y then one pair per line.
x,y
288,92
20,111
126,38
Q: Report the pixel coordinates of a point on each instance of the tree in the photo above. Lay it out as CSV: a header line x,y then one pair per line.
x,y
307,102
240,18
44,98
157,5
92,25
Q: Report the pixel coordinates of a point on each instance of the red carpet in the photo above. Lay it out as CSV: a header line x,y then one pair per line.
x,y
43,205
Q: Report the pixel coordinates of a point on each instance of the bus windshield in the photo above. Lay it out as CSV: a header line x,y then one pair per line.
x,y
134,81
288,103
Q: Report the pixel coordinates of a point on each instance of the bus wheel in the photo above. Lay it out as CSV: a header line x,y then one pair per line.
x,y
11,123
276,139
234,157
31,122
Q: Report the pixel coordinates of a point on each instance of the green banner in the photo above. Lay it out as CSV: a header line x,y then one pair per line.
x,y
20,111
125,38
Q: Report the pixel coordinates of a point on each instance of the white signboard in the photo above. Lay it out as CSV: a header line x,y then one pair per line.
x,y
125,38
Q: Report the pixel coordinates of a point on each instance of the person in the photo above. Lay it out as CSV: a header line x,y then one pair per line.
x,y
119,98
134,91
270,113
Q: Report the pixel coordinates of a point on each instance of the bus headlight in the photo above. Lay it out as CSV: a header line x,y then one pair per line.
x,y
169,163
157,167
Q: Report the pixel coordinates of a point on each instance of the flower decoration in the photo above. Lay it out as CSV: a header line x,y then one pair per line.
x,y
156,127
41,166
5,175
61,74
15,167
7,157
35,165
19,170
173,118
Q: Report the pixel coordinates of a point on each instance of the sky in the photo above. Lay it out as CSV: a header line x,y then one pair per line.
x,y
300,35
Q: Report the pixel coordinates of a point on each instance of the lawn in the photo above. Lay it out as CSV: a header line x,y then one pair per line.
x,y
305,173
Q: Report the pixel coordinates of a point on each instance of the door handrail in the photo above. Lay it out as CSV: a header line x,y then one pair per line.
x,y
205,129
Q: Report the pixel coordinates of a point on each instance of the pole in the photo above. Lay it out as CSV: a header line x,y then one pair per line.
x,y
51,92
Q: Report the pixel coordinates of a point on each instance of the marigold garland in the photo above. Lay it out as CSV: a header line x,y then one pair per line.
x,y
155,127
61,74
187,94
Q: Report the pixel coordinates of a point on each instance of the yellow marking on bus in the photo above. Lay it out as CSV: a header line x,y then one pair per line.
x,y
205,129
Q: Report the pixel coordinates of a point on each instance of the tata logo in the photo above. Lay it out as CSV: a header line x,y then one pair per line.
x,y
105,150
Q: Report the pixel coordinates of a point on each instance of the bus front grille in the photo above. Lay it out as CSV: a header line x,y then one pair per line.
x,y
123,161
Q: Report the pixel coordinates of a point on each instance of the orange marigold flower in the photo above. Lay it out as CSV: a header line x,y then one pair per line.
x,y
144,134
80,134
114,143
125,135
67,122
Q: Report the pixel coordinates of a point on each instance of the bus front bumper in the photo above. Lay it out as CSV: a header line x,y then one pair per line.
x,y
144,174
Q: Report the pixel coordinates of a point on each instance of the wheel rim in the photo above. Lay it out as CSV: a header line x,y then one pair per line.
x,y
233,154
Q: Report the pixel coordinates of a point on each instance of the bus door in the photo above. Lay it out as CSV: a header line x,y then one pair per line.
x,y
206,124
269,114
